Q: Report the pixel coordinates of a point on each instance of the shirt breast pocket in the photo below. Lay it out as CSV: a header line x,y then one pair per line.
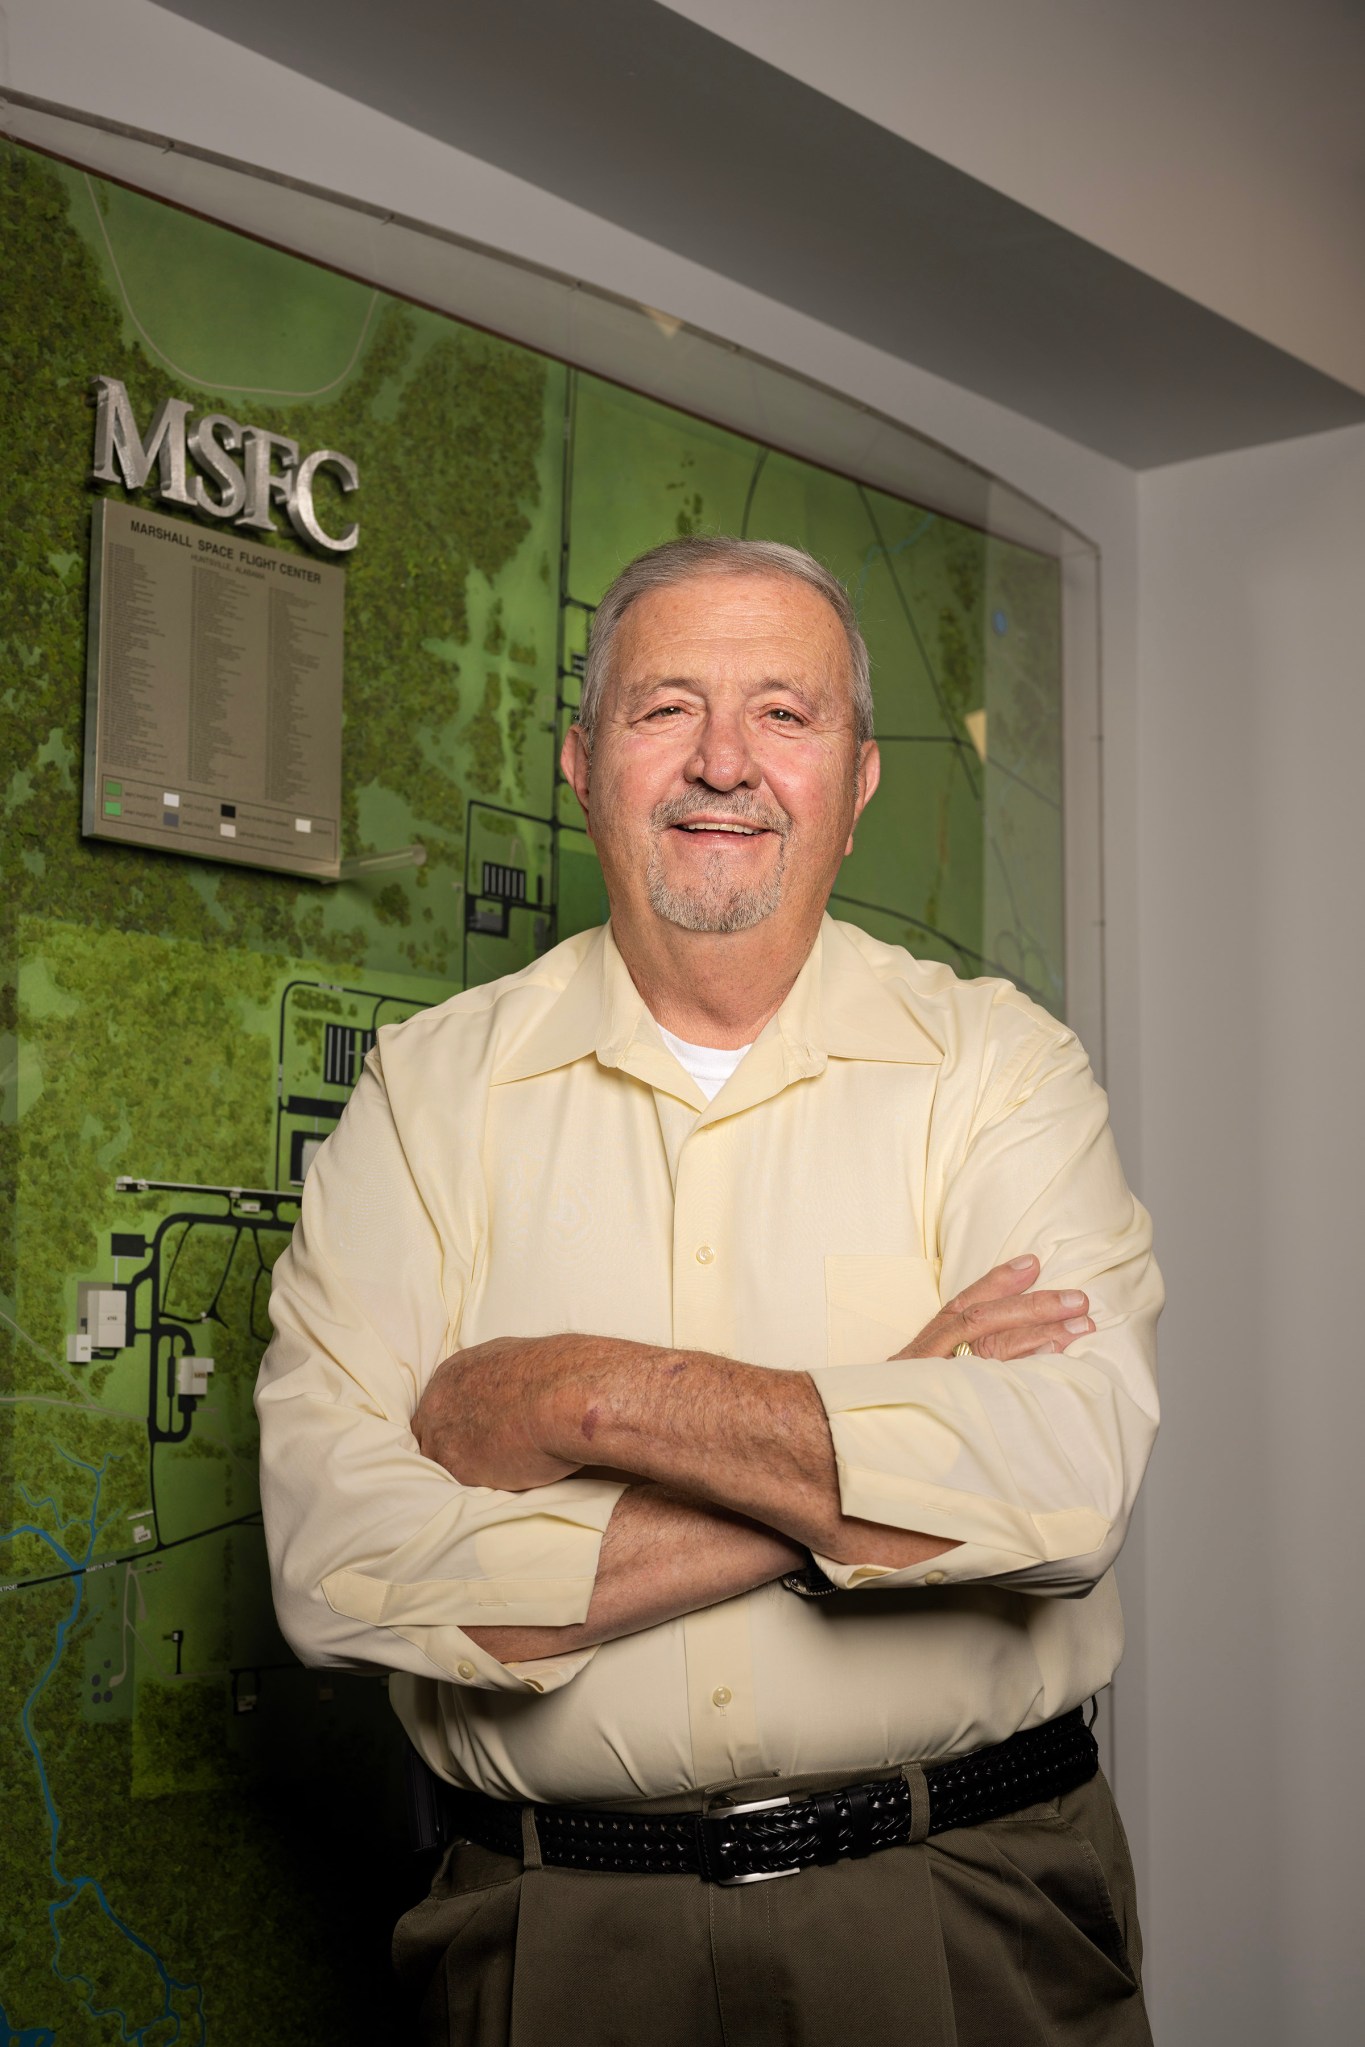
x,y
873,1306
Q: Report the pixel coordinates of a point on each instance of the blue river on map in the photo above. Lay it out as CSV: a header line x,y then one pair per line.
x,y
75,1887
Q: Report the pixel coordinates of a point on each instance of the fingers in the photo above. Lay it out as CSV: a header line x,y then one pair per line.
x,y
1009,1279
1027,1312
994,1337
1000,1317
1004,1345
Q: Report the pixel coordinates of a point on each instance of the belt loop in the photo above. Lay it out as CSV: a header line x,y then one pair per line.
x,y
918,1786
530,1839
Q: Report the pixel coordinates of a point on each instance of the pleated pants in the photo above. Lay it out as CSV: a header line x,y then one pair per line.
x,y
1021,1932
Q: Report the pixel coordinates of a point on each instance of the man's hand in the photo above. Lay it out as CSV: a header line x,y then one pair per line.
x,y
1002,1320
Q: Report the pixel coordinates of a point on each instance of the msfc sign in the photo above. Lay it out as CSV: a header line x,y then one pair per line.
x,y
216,467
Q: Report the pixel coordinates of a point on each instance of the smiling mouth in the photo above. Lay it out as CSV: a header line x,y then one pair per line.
x,y
739,831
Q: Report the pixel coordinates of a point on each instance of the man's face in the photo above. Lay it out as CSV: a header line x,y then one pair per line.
x,y
725,778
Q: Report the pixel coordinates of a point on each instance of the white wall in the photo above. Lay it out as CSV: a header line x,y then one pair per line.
x,y
1251,866
1215,144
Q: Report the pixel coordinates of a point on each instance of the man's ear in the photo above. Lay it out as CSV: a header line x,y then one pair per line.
x,y
868,775
575,759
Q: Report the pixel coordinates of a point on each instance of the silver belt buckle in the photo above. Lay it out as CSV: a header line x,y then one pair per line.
x,y
758,1876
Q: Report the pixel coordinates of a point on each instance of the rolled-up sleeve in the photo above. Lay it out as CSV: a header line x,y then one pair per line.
x,y
1032,1467
379,1558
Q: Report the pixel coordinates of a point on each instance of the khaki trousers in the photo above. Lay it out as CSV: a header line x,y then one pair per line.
x,y
1018,1933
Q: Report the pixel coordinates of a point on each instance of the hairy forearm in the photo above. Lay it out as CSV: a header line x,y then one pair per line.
x,y
521,1412
740,1437
661,1556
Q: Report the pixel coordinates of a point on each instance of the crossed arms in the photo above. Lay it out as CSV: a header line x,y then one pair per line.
x,y
732,1466
459,1553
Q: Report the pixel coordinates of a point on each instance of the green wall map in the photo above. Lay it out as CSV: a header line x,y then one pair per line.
x,y
204,1839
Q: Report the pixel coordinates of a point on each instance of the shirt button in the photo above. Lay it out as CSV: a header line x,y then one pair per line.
x,y
705,1254
465,1670
721,1696
936,1577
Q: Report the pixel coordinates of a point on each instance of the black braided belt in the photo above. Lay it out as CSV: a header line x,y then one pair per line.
x,y
778,1836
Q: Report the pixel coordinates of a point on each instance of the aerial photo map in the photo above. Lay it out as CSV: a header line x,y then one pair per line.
x,y
204,1842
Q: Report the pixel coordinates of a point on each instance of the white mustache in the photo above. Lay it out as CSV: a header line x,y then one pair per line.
x,y
682,810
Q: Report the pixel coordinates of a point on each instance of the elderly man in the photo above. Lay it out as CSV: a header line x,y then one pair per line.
x,y
714,1372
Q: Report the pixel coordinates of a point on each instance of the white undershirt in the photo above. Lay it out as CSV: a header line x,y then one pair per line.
x,y
708,1065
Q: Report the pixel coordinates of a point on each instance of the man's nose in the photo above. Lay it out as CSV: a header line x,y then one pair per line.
x,y
723,758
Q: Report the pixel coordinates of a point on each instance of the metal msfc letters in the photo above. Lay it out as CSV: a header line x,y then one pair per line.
x,y
225,489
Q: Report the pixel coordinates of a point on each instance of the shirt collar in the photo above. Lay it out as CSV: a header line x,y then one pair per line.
x,y
838,1008
861,1017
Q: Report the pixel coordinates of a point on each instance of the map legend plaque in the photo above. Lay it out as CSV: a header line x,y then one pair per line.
x,y
213,695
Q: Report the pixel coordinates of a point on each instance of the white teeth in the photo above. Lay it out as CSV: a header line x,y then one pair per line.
x,y
742,831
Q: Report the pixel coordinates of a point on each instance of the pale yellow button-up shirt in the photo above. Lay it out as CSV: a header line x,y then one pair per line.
x,y
530,1158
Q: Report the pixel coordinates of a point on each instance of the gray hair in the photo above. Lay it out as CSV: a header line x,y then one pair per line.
x,y
719,554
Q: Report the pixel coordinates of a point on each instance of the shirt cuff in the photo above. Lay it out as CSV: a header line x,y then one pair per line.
x,y
462,1662
965,1565
537,1570
897,1448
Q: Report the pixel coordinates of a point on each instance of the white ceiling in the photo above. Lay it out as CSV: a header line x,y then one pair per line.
x,y
1217,145
650,120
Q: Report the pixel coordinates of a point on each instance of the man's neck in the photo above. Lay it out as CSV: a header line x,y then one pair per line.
x,y
713,988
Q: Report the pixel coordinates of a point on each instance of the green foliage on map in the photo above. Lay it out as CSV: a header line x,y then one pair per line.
x,y
203,1840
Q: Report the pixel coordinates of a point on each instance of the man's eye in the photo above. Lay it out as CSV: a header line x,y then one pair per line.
x,y
781,711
